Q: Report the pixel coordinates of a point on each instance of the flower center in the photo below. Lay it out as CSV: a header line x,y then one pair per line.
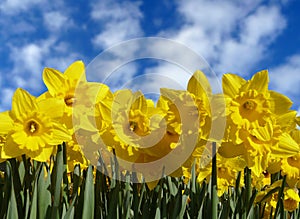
x,y
132,126
293,161
266,174
32,127
70,100
221,170
249,105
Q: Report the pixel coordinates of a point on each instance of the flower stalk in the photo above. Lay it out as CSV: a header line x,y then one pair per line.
x,y
214,192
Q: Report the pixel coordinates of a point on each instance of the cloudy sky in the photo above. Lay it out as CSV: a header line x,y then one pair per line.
x,y
241,37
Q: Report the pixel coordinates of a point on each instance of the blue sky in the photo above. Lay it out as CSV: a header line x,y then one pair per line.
x,y
241,37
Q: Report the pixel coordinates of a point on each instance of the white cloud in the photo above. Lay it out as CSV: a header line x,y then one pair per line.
x,y
231,35
56,20
6,98
259,30
122,77
285,78
165,75
214,16
120,20
29,56
15,6
30,59
113,10
28,51
263,26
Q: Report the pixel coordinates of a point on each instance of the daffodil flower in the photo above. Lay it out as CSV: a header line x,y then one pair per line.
x,y
75,155
32,127
78,95
63,85
255,121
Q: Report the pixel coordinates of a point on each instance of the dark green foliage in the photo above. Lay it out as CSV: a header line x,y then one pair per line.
x,y
31,189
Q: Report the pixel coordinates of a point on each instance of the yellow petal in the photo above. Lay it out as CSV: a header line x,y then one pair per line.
x,y
43,96
152,185
204,173
34,143
287,147
264,133
19,137
279,103
55,81
22,102
60,134
139,102
42,155
6,123
10,149
102,90
76,71
229,150
199,85
150,104
298,120
291,194
171,94
259,82
52,107
256,165
162,104
231,84
121,100
236,163
86,124
295,134
274,166
287,121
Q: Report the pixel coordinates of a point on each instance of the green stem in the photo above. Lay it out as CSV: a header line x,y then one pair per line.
x,y
57,182
214,195
248,188
279,204
17,187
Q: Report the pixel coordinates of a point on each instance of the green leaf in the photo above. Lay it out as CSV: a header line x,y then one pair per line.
x,y
12,211
27,204
34,201
57,181
172,186
43,191
76,183
279,205
89,196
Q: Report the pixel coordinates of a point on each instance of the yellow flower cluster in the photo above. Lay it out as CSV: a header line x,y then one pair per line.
x,y
260,133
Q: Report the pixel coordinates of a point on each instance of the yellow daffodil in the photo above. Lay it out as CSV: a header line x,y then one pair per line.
x,y
73,88
32,127
63,85
291,199
255,121
131,123
75,155
189,118
269,202
199,87
227,168
6,125
2,142
261,181
290,166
